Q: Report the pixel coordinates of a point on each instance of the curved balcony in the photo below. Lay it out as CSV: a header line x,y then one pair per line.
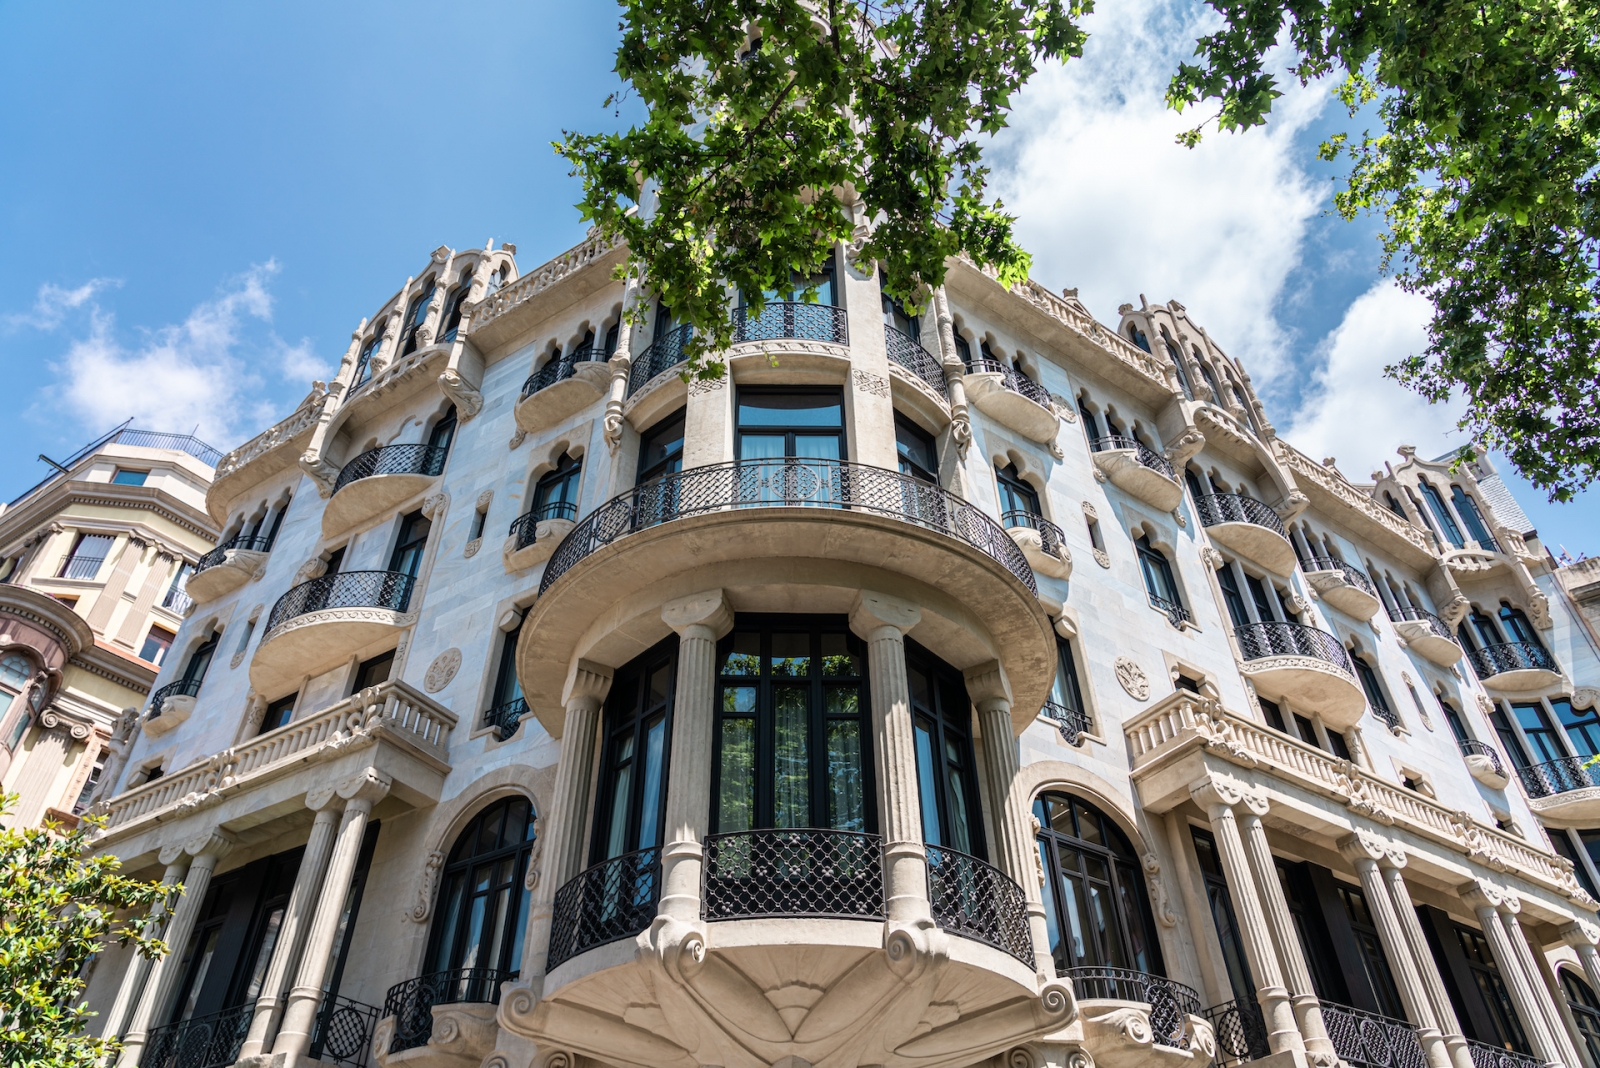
x,y
327,620
665,353
227,567
1132,466
907,352
171,705
792,320
976,900
1008,395
613,900
210,1041
1306,667
1426,633
787,874
1042,542
1515,666
1249,527
1071,722
1165,1015
1343,585
534,535
412,1010
378,481
564,386
1366,1040
1567,789
1483,761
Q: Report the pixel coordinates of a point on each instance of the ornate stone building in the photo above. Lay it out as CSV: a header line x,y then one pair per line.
x,y
93,562
985,686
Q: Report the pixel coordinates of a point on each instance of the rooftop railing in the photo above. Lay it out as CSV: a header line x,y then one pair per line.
x,y
126,435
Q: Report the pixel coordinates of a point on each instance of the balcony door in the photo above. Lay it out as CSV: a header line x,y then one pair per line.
x,y
947,782
633,776
483,903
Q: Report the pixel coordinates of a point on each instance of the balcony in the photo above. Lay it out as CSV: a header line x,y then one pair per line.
x,y
1008,395
1071,722
210,1041
1133,1019
613,900
907,353
792,320
227,567
1344,586
1239,1032
1248,527
534,535
1042,542
564,386
1427,634
1564,790
665,354
1306,667
1366,1040
326,621
976,900
785,874
1515,666
378,481
1487,1056
1483,761
441,1020
1134,467
506,718
171,705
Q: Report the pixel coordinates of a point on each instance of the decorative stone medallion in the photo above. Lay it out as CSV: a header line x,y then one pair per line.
x,y
1133,679
442,670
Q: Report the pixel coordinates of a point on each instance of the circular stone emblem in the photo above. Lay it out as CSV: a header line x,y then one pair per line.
x,y
1133,679
442,670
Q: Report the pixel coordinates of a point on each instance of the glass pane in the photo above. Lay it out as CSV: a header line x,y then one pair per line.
x,y
921,693
1089,824
655,755
660,686
1077,929
791,409
1133,916
269,939
846,795
927,785
761,446
621,795
1095,868
817,446
739,700
1104,918
837,659
1052,922
791,781
198,982
960,825
745,656
736,806
449,917
791,655
496,931
474,941
519,932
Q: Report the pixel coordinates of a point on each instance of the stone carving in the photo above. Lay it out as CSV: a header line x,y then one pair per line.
x,y
867,382
701,386
1102,558
1304,467
1585,697
1159,904
419,912
320,471
1090,511
517,438
435,505
1177,517
472,548
468,401
1133,679
1183,449
309,570
594,247
484,499
299,421
442,670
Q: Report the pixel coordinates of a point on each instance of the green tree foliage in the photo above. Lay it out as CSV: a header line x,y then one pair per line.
x,y
58,906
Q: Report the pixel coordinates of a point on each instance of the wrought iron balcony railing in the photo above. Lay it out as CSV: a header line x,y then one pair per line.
x,y
1217,508
177,600
1559,776
613,900
791,483
258,544
975,900
344,589
393,460
1511,656
1257,640
81,567
666,352
1487,1056
1366,1040
1240,1030
561,368
210,1041
1352,574
1410,612
411,1002
343,1031
1171,1004
1073,723
908,352
1014,380
504,718
1051,538
1177,615
1473,747
791,873
181,688
1146,456
526,525
784,319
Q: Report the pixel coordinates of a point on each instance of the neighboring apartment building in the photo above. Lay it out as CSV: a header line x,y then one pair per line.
x,y
93,562
987,686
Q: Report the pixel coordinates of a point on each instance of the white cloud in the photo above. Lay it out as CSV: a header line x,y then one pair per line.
x,y
1353,413
53,303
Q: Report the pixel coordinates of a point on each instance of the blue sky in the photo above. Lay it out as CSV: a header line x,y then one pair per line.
x,y
200,202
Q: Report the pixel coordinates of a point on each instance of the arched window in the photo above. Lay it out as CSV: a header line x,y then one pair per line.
x,y
199,660
483,902
963,350
452,307
368,350
1515,623
15,669
1019,502
1096,907
416,313
1177,363
1205,372
1467,508
1441,512
442,434
1136,336
555,496
1394,505
1159,582
1585,1010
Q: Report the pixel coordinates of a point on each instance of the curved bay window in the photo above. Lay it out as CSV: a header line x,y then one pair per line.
x,y
483,903
792,735
633,774
947,781
1096,906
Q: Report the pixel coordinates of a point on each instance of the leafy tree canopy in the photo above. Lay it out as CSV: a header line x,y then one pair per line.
x,y
778,127
58,907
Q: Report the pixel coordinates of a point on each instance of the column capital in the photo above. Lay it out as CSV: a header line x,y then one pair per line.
x,y
321,799
988,686
1580,933
171,854
215,843
875,611
588,680
708,609
1226,791
1363,844
1481,893
369,786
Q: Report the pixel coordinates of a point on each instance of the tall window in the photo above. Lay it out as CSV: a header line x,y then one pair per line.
x,y
963,350
453,307
555,495
1452,716
483,901
1223,916
1019,502
661,448
1066,691
368,350
1542,737
444,431
177,597
1508,737
1158,580
793,735
507,687
1492,988
1374,689
947,780
1441,512
89,551
1096,908
1477,529
409,545
633,774
1516,626
1231,595
1585,1011
199,660
805,424
917,455
416,314
1582,726
1136,336
1379,976
280,712
1177,363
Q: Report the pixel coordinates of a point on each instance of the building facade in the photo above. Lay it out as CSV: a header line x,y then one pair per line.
x,y
93,563
986,685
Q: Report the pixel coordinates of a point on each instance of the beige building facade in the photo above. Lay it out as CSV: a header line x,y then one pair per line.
x,y
990,685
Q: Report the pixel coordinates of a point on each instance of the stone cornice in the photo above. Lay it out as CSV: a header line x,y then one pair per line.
x,y
49,505
122,668
593,248
47,612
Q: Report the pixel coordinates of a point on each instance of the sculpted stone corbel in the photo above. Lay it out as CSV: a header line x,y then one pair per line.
x,y
1184,448
434,506
320,471
419,912
1581,933
1227,791
1363,844
1160,904
369,785
468,401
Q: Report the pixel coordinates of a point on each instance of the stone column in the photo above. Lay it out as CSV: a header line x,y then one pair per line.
x,y
305,997
36,783
1015,850
700,620
1364,850
1583,936
296,917
1558,1000
1217,796
1543,996
1307,1009
569,811
1485,899
385,352
133,979
1444,1013
206,849
882,621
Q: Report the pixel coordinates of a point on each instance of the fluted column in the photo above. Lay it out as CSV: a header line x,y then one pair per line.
x,y
1364,850
305,996
700,620
296,920
1444,1013
1303,996
206,849
133,980
562,827
1485,899
1217,796
1543,996
882,621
